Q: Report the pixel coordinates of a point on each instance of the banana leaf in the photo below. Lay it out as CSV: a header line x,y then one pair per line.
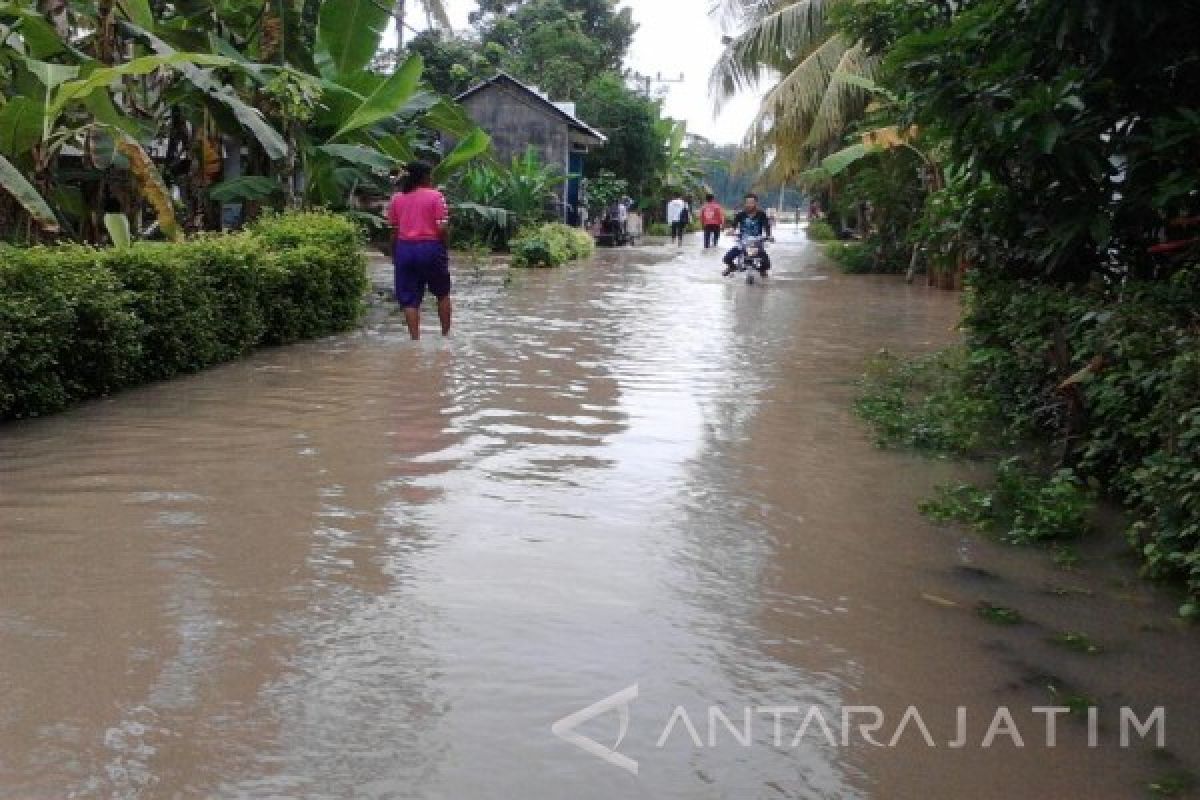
x,y
15,184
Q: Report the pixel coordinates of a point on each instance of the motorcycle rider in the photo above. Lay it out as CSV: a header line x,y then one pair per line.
x,y
751,221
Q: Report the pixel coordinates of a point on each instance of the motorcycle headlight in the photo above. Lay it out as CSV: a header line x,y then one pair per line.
x,y
753,251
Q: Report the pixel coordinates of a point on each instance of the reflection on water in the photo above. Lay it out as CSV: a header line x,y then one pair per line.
x,y
366,568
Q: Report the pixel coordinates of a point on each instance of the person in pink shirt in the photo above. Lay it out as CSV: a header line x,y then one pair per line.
x,y
420,219
712,216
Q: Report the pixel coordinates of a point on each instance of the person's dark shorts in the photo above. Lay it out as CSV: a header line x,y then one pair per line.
x,y
420,267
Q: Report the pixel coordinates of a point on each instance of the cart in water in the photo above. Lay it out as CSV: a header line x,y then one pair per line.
x,y
611,232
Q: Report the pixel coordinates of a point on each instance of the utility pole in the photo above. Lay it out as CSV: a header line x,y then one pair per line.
x,y
646,83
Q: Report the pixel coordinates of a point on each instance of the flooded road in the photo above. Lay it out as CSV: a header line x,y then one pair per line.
x,y
363,568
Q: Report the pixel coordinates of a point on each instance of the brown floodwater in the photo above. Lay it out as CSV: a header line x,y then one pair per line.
x,y
365,568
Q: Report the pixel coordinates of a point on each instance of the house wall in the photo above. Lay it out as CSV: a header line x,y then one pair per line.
x,y
515,123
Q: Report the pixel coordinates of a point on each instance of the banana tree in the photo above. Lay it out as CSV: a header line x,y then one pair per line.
x,y
104,114
370,124
74,110
289,78
683,170
348,127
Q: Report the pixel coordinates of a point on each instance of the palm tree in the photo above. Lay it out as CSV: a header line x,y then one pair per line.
x,y
435,12
811,69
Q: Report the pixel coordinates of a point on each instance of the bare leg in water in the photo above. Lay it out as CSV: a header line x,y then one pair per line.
x,y
412,318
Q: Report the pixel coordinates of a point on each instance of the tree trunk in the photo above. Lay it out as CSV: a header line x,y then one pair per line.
x,y
56,12
399,13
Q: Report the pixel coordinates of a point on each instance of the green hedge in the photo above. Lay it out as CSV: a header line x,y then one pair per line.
x,y
854,258
550,245
864,258
77,322
1138,435
821,231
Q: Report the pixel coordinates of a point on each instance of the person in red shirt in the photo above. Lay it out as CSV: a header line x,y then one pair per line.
x,y
712,217
420,219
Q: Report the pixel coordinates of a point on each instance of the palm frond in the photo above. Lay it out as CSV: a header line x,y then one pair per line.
x,y
843,100
769,43
796,99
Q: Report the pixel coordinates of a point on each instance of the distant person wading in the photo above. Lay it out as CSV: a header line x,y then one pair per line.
x,y
420,218
712,216
678,216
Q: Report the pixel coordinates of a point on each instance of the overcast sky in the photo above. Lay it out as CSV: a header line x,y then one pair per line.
x,y
675,36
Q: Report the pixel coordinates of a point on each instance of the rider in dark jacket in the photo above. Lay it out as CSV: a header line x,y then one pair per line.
x,y
750,221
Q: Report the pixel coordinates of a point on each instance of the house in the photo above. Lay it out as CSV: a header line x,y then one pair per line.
x,y
518,117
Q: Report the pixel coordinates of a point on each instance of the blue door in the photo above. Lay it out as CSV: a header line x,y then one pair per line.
x,y
575,175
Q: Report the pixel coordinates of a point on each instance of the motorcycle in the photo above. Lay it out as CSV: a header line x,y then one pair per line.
x,y
753,258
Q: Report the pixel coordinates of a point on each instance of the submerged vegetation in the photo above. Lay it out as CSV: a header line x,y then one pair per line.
x,y
1023,507
923,403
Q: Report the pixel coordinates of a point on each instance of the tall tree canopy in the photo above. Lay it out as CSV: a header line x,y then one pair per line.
x,y
631,122
558,45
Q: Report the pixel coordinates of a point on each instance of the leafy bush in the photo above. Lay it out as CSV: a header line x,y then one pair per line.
x,y
854,258
524,191
550,245
1134,428
1023,507
78,322
66,329
821,231
1111,375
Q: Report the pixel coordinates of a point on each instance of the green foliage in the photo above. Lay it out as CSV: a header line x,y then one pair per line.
x,y
634,151
66,330
1070,128
728,179
604,190
855,258
1064,137
1179,783
683,167
999,615
558,45
1023,507
289,81
1141,435
891,184
929,403
550,245
77,322
453,64
525,187
523,192
821,231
